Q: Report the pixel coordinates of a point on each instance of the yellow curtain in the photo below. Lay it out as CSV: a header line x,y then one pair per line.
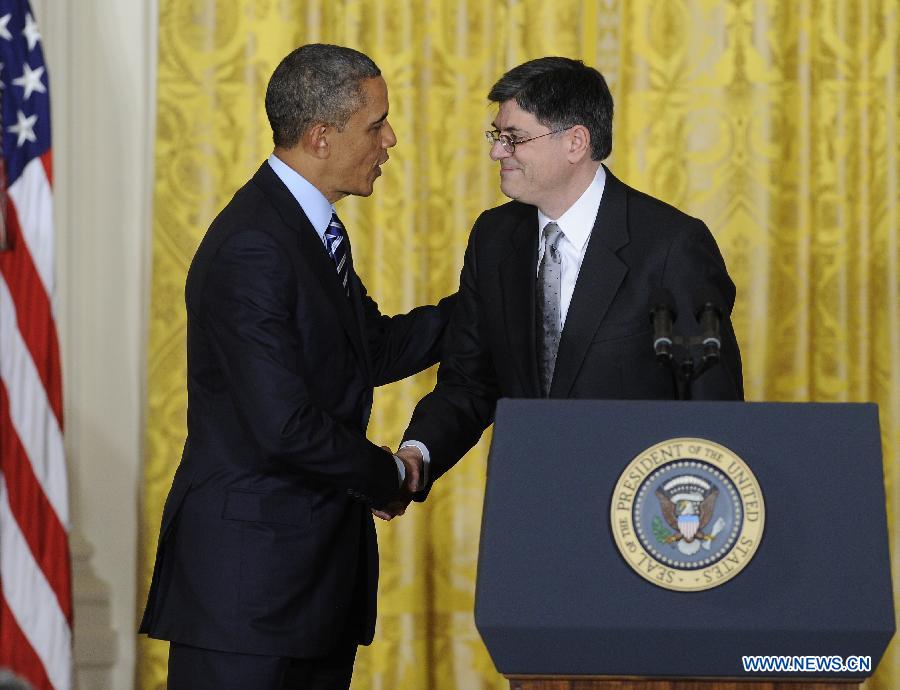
x,y
776,122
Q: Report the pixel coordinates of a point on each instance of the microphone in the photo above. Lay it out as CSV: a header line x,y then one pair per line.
x,y
663,314
709,317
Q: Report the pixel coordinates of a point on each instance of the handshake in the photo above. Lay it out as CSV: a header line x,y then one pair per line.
x,y
413,481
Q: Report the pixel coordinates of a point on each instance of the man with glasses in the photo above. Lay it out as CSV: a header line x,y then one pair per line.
x,y
556,285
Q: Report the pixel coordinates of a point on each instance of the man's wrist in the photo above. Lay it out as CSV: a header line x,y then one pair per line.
x,y
426,456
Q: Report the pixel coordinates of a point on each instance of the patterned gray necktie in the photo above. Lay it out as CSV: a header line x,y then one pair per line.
x,y
547,309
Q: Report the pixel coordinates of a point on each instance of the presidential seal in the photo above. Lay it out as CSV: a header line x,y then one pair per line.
x,y
687,514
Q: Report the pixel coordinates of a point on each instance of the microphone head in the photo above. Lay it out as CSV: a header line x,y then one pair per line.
x,y
703,302
709,315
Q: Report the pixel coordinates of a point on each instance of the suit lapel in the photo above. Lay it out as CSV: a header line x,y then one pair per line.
x,y
517,281
598,281
315,256
356,299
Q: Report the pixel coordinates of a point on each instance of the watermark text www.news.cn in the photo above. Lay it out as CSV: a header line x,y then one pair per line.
x,y
806,664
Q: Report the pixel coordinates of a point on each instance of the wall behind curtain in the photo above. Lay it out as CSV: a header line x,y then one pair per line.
x,y
775,122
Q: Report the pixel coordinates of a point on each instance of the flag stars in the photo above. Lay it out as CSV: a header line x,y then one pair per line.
x,y
31,31
4,29
24,128
31,80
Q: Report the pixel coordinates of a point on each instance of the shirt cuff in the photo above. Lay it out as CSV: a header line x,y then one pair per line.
x,y
426,457
401,470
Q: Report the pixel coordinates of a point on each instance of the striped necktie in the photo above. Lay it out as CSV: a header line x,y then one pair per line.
x,y
338,249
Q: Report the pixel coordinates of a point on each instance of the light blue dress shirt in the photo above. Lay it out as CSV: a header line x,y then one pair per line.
x,y
314,204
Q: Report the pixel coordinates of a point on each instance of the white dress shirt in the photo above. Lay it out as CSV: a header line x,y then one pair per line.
x,y
576,225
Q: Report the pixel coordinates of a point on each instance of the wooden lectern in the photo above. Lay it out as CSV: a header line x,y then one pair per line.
x,y
560,608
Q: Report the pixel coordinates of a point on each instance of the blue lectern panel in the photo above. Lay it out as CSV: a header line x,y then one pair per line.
x,y
554,595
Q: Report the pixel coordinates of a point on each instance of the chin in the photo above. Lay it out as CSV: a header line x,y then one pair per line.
x,y
513,193
361,191
510,191
369,186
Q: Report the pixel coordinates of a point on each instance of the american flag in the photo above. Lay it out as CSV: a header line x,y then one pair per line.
x,y
35,576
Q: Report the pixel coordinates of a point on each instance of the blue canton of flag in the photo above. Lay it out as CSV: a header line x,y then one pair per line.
x,y
25,97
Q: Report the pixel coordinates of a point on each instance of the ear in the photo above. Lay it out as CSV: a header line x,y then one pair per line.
x,y
316,140
579,144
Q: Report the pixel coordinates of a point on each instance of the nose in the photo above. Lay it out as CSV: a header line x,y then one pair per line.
x,y
388,138
498,152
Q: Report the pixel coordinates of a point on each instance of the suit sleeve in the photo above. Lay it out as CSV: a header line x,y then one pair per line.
x,y
695,272
248,311
405,344
451,419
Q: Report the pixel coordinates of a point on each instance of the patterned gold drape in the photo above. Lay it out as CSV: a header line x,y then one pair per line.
x,y
775,121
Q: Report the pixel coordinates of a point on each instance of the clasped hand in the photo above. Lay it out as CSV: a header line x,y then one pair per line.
x,y
413,464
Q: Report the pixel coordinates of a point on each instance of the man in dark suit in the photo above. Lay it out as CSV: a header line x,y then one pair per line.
x,y
556,286
267,563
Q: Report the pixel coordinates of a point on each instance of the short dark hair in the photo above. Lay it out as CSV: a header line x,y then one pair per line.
x,y
561,93
316,83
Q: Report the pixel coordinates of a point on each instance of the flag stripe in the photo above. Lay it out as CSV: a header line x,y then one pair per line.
x,y
37,520
35,571
29,410
33,313
13,645
31,601
34,206
47,161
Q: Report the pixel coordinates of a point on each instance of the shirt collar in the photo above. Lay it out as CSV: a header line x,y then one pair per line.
x,y
578,221
311,200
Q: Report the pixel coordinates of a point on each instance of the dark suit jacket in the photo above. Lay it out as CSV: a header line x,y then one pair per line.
x,y
267,543
638,243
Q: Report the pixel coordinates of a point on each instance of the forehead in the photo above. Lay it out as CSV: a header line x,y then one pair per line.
x,y
510,117
376,96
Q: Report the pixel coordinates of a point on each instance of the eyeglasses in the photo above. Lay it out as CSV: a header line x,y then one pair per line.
x,y
509,144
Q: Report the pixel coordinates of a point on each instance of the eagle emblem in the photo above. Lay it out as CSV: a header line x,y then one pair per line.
x,y
687,503
679,510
